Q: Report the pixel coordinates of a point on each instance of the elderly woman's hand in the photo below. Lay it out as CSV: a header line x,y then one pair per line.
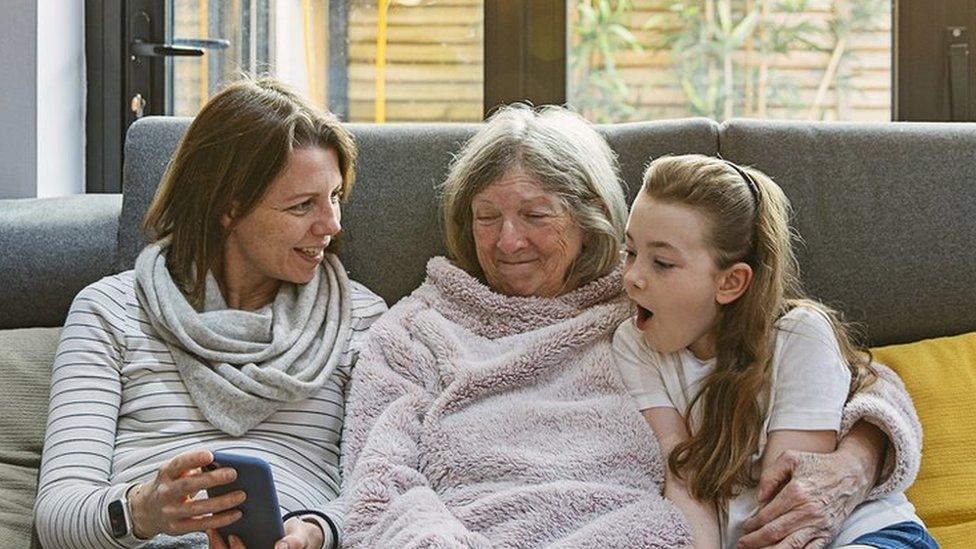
x,y
165,504
814,495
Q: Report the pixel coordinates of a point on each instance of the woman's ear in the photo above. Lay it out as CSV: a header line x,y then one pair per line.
x,y
227,218
732,283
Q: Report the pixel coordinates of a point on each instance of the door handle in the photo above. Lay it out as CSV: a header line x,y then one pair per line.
x,y
957,52
205,43
149,49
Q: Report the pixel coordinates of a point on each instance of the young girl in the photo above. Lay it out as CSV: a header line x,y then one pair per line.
x,y
729,363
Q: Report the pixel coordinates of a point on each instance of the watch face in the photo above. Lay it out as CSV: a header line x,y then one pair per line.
x,y
116,517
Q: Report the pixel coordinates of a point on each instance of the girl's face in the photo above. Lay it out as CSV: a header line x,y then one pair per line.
x,y
671,277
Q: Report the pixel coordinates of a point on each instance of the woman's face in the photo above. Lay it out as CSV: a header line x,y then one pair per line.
x,y
284,237
525,239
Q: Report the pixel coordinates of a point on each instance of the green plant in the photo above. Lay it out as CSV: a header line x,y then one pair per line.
x,y
722,50
598,90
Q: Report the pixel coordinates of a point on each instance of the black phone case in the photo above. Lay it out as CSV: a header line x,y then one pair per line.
x,y
260,526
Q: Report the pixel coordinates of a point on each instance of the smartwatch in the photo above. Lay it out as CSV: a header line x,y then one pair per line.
x,y
119,517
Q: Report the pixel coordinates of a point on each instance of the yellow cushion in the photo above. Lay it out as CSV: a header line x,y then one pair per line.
x,y
940,374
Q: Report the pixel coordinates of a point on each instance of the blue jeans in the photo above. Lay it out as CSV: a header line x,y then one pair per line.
x,y
904,535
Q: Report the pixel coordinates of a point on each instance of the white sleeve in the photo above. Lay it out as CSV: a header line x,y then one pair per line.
x,y
639,369
812,377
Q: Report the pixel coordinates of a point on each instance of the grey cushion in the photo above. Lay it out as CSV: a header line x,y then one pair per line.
x,y
26,357
886,213
52,248
638,143
391,224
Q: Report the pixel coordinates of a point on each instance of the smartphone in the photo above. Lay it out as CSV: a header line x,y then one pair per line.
x,y
260,526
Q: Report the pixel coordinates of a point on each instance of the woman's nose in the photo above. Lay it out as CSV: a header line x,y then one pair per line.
x,y
511,238
327,223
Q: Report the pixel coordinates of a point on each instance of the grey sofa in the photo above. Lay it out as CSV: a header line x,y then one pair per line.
x,y
885,210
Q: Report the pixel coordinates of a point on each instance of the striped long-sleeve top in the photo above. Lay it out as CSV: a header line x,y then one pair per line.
x,y
119,410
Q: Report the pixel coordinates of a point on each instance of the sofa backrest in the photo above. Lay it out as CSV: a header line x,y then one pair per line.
x,y
391,224
887,216
884,210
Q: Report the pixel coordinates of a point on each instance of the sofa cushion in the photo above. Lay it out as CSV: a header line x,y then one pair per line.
x,y
26,357
940,374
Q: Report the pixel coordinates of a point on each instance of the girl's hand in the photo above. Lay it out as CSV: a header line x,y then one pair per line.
x,y
164,504
298,535
814,495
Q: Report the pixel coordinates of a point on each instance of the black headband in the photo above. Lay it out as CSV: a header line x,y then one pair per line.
x,y
750,182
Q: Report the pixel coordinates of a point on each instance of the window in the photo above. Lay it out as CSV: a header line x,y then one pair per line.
x,y
368,61
799,59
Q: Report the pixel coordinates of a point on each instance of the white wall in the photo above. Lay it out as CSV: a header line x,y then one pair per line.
x,y
18,99
60,97
42,89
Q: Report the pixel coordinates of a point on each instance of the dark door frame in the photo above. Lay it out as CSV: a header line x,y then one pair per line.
x,y
933,68
525,52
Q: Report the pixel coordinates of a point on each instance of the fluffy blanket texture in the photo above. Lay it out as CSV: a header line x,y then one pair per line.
x,y
481,420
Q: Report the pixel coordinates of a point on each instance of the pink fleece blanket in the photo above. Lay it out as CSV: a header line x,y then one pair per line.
x,y
481,420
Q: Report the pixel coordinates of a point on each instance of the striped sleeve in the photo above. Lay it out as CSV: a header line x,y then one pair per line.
x,y
74,488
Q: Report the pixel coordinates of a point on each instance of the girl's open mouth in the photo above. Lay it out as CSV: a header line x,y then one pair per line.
x,y
643,315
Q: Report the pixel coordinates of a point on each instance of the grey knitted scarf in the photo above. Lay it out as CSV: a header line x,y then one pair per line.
x,y
241,366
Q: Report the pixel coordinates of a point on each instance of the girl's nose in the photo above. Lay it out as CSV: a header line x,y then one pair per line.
x,y
633,278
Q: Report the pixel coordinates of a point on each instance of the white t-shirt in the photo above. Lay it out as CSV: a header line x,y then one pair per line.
x,y
809,385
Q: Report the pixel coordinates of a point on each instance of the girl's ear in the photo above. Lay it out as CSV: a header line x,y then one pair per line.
x,y
732,283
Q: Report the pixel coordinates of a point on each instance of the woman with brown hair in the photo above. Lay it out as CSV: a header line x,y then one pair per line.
x,y
236,331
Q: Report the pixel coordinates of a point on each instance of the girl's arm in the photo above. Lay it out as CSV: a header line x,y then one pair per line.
x,y
669,429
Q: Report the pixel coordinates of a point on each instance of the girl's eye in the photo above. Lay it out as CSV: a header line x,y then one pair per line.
x,y
335,198
663,264
629,255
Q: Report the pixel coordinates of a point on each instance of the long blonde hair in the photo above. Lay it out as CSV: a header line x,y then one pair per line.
x,y
748,222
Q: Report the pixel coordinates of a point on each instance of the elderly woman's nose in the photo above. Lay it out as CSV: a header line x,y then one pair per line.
x,y
511,238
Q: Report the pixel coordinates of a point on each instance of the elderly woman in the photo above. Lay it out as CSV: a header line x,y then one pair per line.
x,y
236,331
485,409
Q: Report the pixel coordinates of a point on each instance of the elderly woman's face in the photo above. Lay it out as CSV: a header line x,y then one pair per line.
x,y
524,237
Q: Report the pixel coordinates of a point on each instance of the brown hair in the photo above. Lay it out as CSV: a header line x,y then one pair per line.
x,y
235,147
566,156
751,226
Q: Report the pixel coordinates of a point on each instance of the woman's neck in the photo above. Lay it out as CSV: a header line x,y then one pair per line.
x,y
244,291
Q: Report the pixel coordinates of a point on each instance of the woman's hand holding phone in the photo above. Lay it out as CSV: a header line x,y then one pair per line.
x,y
165,504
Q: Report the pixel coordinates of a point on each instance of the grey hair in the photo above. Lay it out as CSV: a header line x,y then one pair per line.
x,y
564,154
